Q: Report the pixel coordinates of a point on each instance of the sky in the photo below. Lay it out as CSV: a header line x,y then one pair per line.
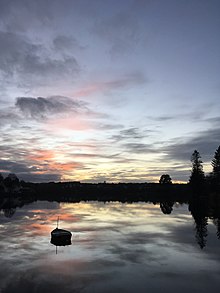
x,y
106,90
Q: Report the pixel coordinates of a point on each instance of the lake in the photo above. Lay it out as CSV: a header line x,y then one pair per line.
x,y
116,247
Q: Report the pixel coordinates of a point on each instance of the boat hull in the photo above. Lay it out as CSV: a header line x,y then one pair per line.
x,y
60,237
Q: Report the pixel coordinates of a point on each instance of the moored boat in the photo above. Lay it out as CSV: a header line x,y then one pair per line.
x,y
60,237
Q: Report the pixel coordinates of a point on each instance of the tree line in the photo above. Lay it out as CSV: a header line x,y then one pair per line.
x,y
197,179
9,183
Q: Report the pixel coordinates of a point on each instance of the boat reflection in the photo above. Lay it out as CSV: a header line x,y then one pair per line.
x,y
60,241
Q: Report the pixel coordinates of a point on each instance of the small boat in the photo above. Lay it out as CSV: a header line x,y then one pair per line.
x,y
60,237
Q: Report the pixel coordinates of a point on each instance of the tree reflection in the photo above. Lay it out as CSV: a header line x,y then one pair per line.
x,y
166,207
217,224
9,204
8,213
199,209
201,231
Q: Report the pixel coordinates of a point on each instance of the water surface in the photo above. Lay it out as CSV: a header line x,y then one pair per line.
x,y
115,247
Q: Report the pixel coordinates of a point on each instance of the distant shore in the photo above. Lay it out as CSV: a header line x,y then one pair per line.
x,y
103,191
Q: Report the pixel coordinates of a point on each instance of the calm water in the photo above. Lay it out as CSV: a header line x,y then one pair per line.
x,y
115,247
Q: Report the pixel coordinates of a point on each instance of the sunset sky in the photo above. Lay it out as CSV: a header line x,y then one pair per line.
x,y
114,90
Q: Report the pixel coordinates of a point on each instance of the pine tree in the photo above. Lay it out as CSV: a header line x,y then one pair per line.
x,y
216,166
197,177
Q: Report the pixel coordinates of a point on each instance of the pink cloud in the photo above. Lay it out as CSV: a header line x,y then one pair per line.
x,y
68,123
132,79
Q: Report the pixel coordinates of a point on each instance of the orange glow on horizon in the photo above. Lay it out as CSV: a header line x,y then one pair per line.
x,y
65,166
52,161
41,155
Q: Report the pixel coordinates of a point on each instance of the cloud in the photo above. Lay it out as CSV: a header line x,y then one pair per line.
x,y
7,118
109,126
28,63
66,44
20,15
125,81
179,173
206,142
129,133
26,172
139,148
215,121
41,107
120,30
132,140
7,166
35,164
196,114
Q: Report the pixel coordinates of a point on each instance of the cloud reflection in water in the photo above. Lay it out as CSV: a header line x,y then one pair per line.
x,y
115,246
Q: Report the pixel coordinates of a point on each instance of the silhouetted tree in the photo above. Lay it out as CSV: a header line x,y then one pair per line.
x,y
165,179
11,182
197,178
216,167
1,178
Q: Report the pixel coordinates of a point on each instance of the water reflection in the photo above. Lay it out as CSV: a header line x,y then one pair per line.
x,y
202,210
115,246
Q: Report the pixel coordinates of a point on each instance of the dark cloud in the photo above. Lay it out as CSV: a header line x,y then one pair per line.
x,y
139,148
26,172
41,107
205,142
27,62
92,155
132,133
14,167
107,127
121,30
164,118
195,115
7,118
19,15
66,44
215,121
49,68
